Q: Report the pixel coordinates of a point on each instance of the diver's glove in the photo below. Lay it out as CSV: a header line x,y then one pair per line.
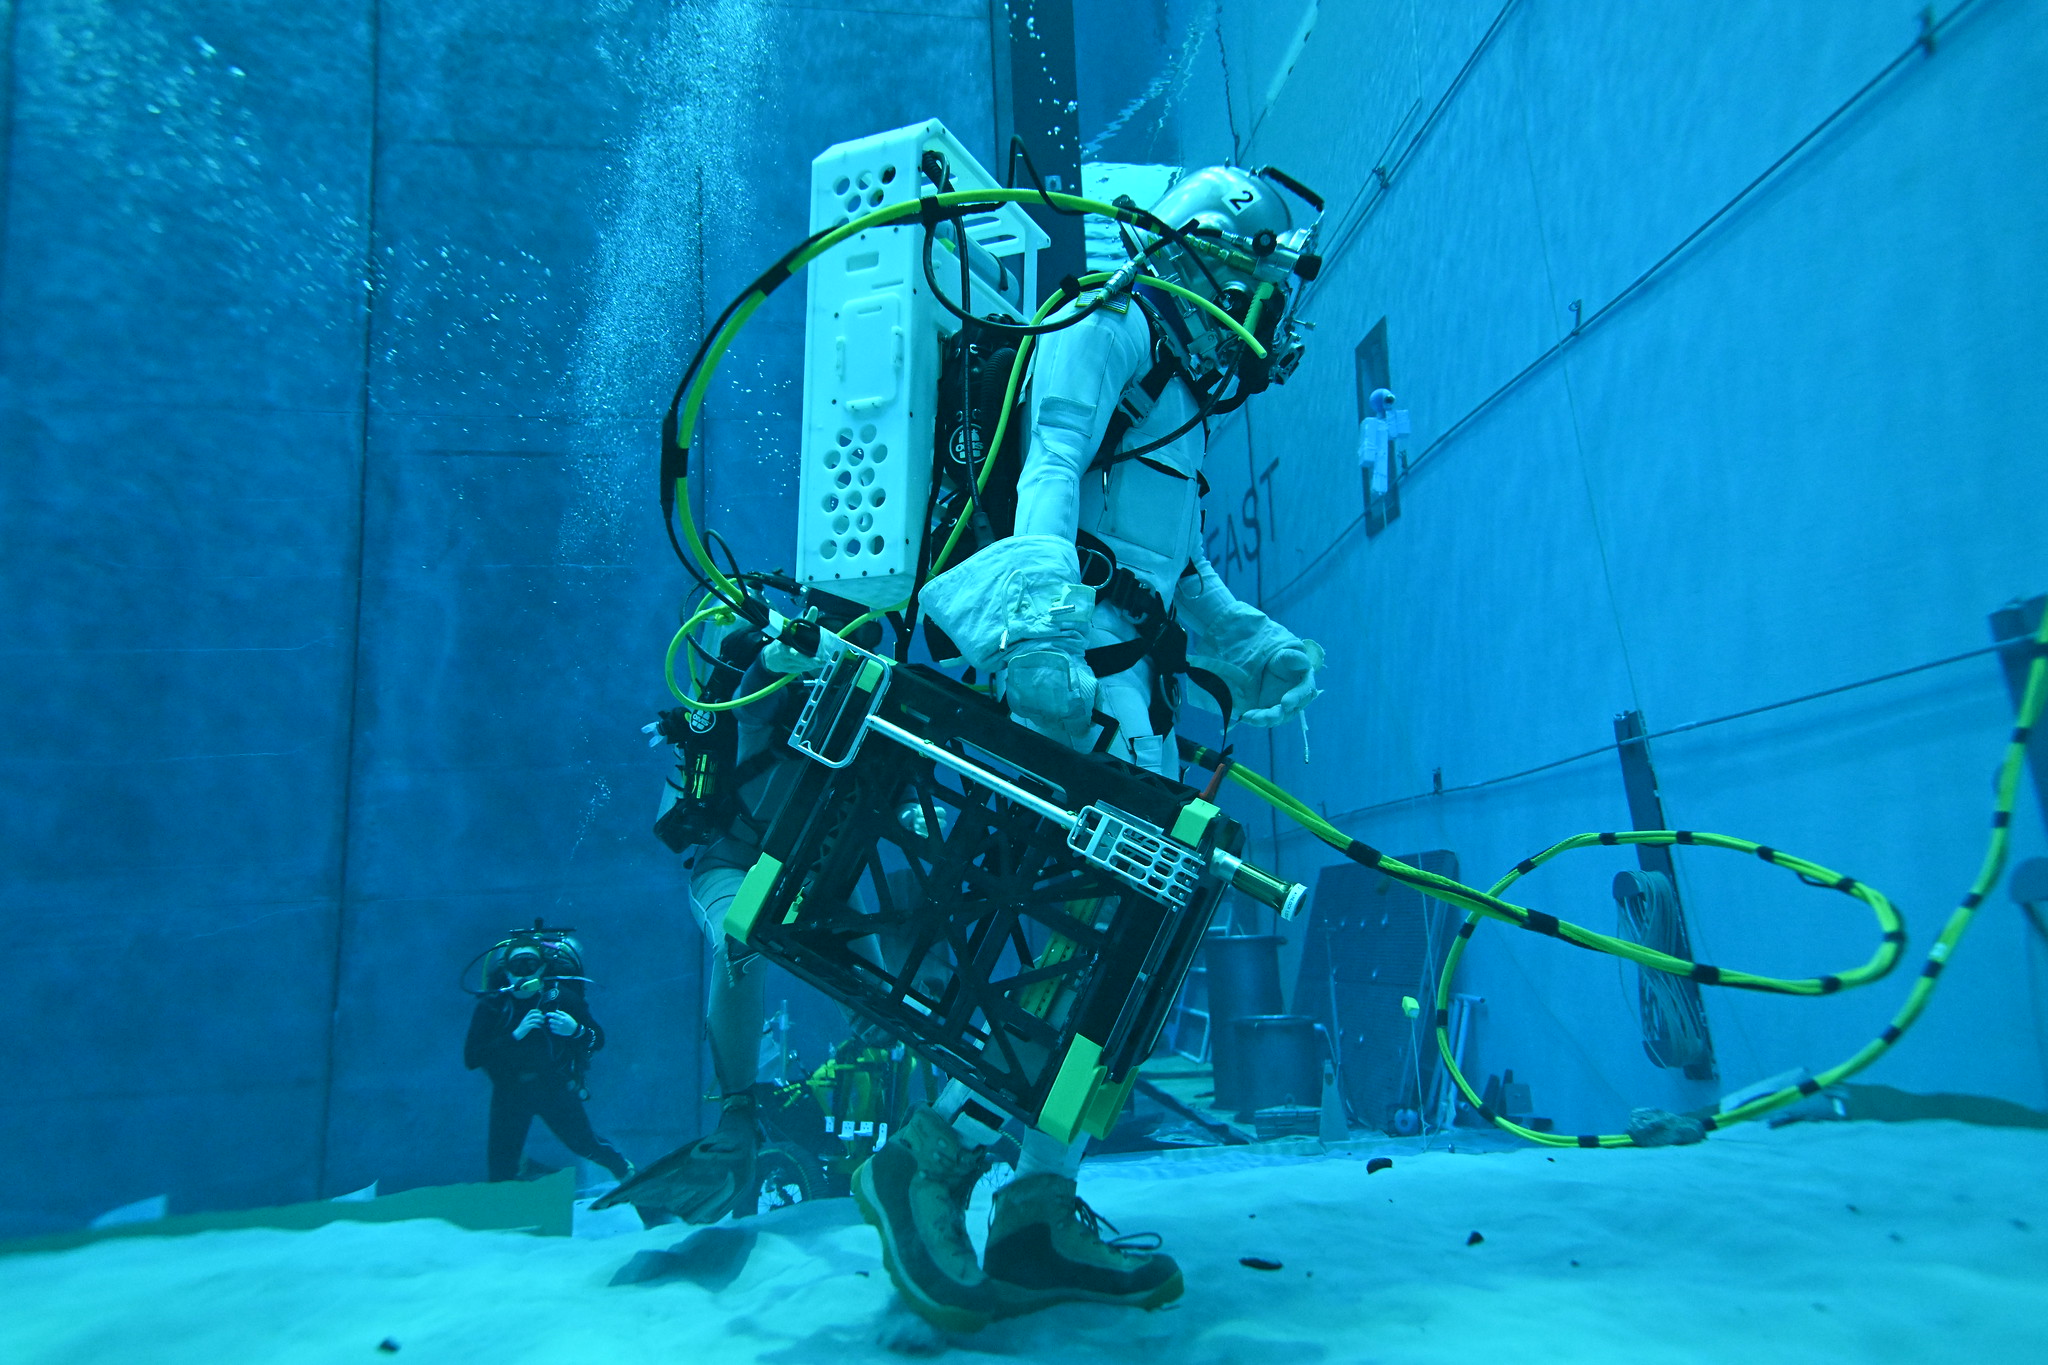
x,y
1019,607
532,1021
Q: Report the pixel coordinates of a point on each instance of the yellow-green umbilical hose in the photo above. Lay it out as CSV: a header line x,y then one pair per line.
x,y
1481,905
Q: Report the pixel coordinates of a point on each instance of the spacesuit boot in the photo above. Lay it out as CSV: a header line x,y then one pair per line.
x,y
701,1181
915,1192
1046,1242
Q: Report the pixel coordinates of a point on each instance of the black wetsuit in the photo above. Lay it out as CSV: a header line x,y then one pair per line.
x,y
538,1076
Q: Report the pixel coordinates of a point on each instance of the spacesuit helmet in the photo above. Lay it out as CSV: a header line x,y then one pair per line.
x,y
1238,237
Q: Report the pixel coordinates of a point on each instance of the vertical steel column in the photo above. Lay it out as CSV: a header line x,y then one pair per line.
x,y
1037,98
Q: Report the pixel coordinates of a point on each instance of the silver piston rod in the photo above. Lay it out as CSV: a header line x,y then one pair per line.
x,y
1133,850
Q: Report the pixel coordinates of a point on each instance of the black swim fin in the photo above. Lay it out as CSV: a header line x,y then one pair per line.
x,y
700,1181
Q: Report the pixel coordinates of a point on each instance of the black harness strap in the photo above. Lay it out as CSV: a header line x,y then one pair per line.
x,y
1169,348
1160,639
1152,385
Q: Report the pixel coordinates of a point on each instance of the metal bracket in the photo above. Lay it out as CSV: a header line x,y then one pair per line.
x,y
843,700
1137,852
843,708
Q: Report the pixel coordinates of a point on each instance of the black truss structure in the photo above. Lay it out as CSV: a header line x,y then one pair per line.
x,y
960,920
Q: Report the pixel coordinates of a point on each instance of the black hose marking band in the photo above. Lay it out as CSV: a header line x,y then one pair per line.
x,y
1685,836
1891,1035
2022,734
1589,1140
1932,969
1809,1086
1708,1125
1767,853
1488,1112
1070,286
1465,929
2000,819
1526,866
1973,900
1895,936
1443,1019
1541,923
1608,838
773,278
1364,854
929,212
1846,885
1705,975
1830,984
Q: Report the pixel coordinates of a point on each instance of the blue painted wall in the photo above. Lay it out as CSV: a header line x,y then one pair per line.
x,y
333,342
329,348
1807,453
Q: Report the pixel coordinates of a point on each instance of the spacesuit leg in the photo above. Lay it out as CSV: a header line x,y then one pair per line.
x,y
1127,697
1042,1239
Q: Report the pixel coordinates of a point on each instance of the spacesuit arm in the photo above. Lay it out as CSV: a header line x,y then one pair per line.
x,y
1080,375
1271,671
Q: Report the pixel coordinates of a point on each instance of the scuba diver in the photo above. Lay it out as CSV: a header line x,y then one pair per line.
x,y
533,1035
1092,610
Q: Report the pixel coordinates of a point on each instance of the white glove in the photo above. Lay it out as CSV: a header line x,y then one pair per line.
x,y
1284,685
562,1024
532,1021
1049,684
780,658
1019,594
1019,606
1271,671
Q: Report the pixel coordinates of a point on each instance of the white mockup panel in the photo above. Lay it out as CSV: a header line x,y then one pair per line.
x,y
871,356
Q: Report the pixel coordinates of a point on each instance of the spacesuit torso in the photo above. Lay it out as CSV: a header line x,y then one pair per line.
x,y
1018,608
1147,510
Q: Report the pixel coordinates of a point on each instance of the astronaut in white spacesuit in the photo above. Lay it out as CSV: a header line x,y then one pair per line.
x,y
1097,603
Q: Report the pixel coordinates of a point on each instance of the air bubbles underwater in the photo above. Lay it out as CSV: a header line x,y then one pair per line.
x,y
683,176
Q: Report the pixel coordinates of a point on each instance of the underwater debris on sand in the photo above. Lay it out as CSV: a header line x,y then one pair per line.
x,y
1662,1128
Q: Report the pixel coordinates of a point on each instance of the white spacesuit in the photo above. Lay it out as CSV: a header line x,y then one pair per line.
x,y
1020,609
1080,612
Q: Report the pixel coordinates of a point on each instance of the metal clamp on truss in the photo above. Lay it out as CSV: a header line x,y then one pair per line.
x,y
1138,853
844,698
843,708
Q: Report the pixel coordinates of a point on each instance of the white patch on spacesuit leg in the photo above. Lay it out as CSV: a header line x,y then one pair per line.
x,y
1127,698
